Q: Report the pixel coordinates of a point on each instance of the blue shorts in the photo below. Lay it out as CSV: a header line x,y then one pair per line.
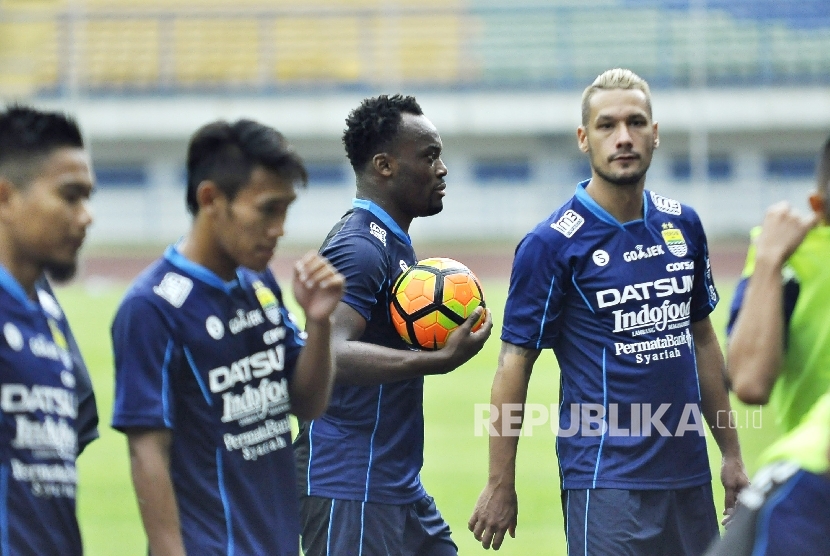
x,y
785,512
613,522
354,528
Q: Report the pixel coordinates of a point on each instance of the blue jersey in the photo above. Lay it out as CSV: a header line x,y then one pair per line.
x,y
38,439
369,444
615,303
211,361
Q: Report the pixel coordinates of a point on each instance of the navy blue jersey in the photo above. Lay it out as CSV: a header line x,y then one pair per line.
x,y
87,421
369,444
38,439
211,361
615,303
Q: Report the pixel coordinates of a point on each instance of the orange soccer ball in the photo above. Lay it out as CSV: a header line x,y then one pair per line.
x,y
433,298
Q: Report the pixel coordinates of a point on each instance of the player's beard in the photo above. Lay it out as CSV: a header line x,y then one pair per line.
x,y
61,272
622,181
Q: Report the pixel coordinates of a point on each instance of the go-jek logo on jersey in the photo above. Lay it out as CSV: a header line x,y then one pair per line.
x,y
258,365
640,253
568,223
674,240
663,287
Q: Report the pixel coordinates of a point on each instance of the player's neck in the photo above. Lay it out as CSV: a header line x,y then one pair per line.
x,y
195,248
25,272
624,203
389,208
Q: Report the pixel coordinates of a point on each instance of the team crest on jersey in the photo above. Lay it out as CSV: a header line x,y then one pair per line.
x,y
13,336
664,204
378,232
568,223
57,335
174,288
674,240
268,301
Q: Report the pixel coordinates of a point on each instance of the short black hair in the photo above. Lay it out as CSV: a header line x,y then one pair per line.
x,y
28,135
371,126
226,154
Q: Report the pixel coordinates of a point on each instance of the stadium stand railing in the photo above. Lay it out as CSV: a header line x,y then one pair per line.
x,y
69,47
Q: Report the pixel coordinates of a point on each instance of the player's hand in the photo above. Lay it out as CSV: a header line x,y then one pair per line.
x,y
496,513
462,343
782,232
318,287
734,479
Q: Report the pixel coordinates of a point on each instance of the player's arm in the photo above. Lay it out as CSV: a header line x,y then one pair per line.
x,y
714,399
366,364
318,288
497,509
756,345
150,465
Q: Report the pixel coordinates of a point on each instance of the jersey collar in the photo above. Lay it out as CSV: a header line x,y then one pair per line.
x,y
381,215
600,212
203,274
13,287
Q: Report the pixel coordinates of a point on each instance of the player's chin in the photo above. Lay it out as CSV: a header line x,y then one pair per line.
x,y
435,207
259,259
61,271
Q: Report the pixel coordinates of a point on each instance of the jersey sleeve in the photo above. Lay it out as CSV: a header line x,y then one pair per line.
x,y
534,300
145,355
294,334
704,294
363,264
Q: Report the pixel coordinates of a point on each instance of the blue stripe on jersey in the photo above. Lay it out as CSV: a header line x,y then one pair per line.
x,y
372,445
202,385
362,526
4,510
585,299
220,479
605,406
567,521
310,453
694,364
762,532
382,215
545,313
585,538
165,385
328,533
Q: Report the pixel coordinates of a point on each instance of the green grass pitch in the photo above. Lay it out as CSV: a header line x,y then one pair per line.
x,y
455,466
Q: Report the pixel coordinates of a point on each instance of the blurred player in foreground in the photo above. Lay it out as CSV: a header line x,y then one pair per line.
x,y
617,282
45,184
209,362
359,463
779,352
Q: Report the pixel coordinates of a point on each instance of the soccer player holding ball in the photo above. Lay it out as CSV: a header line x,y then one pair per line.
x,y
359,463
209,362
45,184
617,282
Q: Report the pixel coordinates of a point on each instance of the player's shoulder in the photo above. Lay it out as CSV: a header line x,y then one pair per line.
x,y
562,227
661,206
363,237
160,284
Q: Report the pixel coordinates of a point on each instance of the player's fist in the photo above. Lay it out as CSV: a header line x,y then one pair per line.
x,y
317,285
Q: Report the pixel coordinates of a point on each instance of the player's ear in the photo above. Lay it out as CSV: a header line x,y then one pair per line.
x,y
656,136
208,195
384,164
7,190
582,139
818,203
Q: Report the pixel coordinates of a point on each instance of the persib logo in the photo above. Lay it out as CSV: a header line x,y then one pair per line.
x,y
674,240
